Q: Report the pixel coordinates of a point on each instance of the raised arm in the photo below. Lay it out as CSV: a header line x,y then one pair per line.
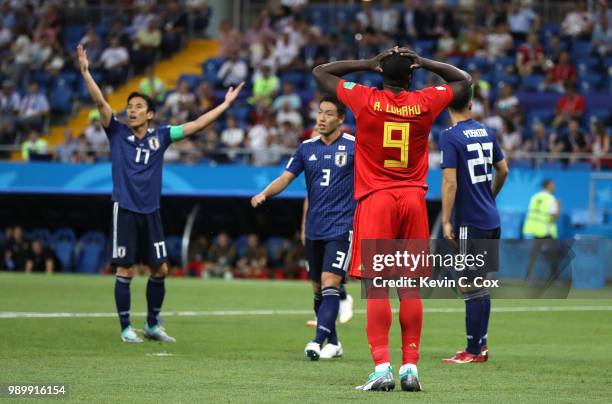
x,y
206,119
449,190
275,187
328,75
458,79
94,91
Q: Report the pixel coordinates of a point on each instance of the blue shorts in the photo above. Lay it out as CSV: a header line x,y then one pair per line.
x,y
473,240
137,238
328,256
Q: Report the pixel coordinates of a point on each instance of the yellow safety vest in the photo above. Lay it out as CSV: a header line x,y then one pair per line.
x,y
539,221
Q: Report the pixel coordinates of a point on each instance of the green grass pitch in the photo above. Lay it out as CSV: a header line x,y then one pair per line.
x,y
563,355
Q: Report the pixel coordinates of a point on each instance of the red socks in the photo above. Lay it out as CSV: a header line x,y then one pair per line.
x,y
379,318
411,321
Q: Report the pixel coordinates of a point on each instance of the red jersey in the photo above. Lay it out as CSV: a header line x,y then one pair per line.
x,y
392,134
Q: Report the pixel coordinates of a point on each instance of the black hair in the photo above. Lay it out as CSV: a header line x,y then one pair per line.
x,y
148,100
396,70
339,106
546,183
462,98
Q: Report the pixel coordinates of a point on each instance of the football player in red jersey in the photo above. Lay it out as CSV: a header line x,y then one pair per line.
x,y
391,161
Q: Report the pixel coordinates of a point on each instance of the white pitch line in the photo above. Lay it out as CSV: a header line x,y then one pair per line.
x,y
227,313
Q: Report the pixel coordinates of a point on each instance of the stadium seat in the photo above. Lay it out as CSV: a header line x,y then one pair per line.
x,y
580,165
371,80
241,245
424,47
273,246
480,63
296,78
511,223
81,89
532,82
42,234
72,34
345,13
601,114
587,65
192,80
590,82
241,112
174,249
62,243
210,68
581,50
582,217
91,252
60,99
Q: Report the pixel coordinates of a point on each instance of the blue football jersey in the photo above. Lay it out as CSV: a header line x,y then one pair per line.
x,y
472,150
329,181
137,165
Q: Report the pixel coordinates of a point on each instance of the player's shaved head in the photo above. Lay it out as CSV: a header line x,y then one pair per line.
x,y
396,70
461,101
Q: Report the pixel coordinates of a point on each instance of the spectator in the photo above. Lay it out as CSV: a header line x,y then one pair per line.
x,y
34,147
233,71
22,57
530,57
178,103
481,85
175,25
574,141
230,39
289,135
508,104
6,35
95,133
287,97
578,24
16,250
442,20
446,45
40,259
510,139
388,19
114,62
499,42
434,153
561,74
521,19
84,152
287,114
570,106
601,146
10,103
200,14
408,20
141,19
221,258
314,106
206,99
152,85
253,263
65,151
232,137
210,143
257,139
367,15
539,142
91,41
554,50
286,52
265,87
146,45
601,42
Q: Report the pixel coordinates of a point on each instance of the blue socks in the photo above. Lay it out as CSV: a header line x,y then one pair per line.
x,y
317,303
122,300
326,317
156,290
342,291
477,310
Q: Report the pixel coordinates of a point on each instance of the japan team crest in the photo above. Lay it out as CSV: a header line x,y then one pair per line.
x,y
340,159
153,143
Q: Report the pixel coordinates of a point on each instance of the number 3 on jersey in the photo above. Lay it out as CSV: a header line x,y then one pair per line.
x,y
326,176
401,143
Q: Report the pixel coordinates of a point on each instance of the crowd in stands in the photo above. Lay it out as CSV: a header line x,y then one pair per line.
x,y
38,69
513,54
247,256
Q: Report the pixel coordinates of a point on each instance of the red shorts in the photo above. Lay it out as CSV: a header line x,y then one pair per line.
x,y
389,214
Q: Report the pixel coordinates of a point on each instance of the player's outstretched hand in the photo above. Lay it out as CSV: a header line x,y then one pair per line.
x,y
82,56
232,93
410,53
447,229
258,200
376,61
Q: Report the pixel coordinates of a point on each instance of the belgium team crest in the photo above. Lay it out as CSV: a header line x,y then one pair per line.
x,y
340,159
153,143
